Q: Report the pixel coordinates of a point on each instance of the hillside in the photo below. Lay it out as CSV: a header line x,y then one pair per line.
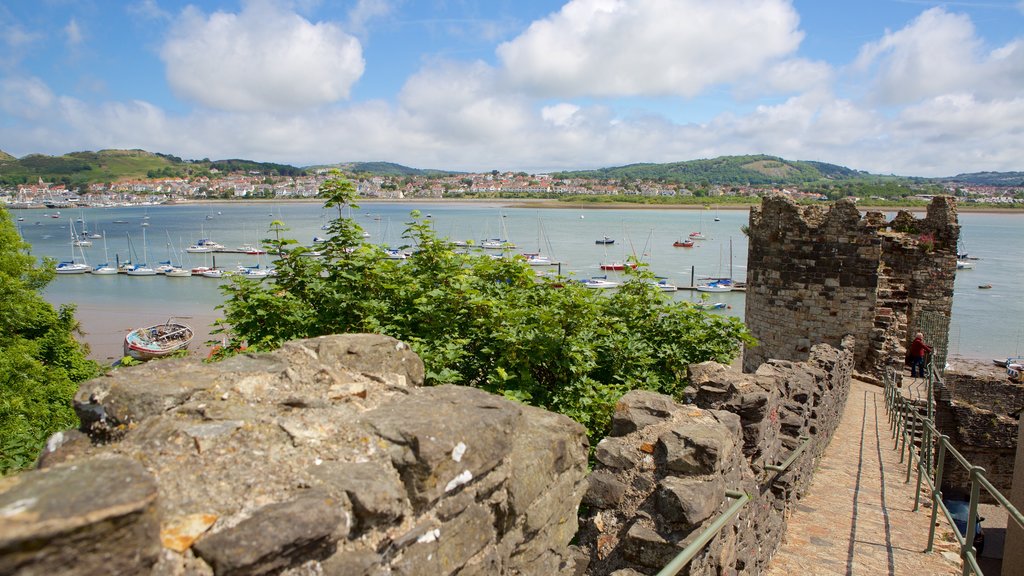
x,y
734,170
990,178
5,157
114,165
386,169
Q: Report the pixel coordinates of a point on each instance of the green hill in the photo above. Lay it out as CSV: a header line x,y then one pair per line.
x,y
386,169
5,157
114,165
989,178
735,170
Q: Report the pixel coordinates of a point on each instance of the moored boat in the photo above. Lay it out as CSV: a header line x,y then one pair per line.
x,y
683,243
599,283
157,340
605,240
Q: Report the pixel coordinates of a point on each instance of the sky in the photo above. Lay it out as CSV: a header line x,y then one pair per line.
x,y
906,87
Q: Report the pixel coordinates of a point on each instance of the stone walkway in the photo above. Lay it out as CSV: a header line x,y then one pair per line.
x,y
857,516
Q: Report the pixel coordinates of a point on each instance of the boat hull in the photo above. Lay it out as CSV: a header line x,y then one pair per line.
x,y
157,341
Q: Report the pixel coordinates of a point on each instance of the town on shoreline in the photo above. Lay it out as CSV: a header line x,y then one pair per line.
x,y
516,188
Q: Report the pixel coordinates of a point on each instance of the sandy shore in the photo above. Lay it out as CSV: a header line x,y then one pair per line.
x,y
104,328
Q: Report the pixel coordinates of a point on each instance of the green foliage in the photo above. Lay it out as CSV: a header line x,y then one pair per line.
x,y
483,322
41,363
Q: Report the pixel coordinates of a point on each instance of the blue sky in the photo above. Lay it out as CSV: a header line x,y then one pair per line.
x,y
909,87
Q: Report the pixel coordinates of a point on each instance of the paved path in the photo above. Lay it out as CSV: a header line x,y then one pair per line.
x,y
857,516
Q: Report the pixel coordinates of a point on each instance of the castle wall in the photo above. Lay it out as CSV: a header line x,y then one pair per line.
x,y
324,457
816,274
662,475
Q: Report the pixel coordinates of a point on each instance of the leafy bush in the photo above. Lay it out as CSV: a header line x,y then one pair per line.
x,y
482,322
41,364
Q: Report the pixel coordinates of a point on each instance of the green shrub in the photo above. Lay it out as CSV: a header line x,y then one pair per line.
x,y
482,322
41,363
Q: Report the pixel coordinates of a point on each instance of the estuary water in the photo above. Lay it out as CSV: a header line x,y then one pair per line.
x,y
986,322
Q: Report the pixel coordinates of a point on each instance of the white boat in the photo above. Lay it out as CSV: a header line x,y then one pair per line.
x,y
538,260
395,254
204,245
717,286
73,266
599,283
142,269
178,273
664,285
964,265
496,244
104,269
157,340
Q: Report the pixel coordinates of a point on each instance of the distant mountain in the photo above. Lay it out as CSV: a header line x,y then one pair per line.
x,y
730,170
989,178
5,157
386,169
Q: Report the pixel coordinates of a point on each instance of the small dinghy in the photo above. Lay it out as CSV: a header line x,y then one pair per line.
x,y
158,340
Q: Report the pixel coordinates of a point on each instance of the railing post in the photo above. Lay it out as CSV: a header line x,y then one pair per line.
x,y
910,449
937,492
972,518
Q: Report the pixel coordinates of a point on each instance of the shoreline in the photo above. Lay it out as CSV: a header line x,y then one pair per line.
x,y
103,328
555,203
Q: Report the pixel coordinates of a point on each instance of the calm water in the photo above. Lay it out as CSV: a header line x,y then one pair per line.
x,y
986,323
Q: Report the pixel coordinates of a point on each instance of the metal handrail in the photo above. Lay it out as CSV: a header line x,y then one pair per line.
x,y
688,553
932,442
792,457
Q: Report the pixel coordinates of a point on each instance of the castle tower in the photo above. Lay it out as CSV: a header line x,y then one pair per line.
x,y
816,274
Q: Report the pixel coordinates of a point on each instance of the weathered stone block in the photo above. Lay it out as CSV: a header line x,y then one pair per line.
x,y
93,516
460,434
638,409
275,537
689,501
605,490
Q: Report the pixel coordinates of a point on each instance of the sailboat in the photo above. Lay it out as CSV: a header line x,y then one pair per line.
x,y
142,269
72,266
538,258
699,233
720,283
105,268
167,268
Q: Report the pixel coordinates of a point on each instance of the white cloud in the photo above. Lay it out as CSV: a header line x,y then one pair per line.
x,y
263,58
649,47
148,10
934,54
563,114
73,33
366,10
28,98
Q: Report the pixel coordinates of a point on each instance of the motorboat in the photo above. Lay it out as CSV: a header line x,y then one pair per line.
x,y
664,285
605,240
716,286
683,243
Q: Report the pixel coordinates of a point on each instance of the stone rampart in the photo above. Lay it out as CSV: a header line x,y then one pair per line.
x,y
662,476
977,407
325,457
816,274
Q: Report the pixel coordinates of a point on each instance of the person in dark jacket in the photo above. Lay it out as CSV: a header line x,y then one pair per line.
x,y
916,355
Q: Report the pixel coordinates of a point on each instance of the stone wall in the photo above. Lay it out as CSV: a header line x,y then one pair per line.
x,y
662,475
976,408
325,457
817,274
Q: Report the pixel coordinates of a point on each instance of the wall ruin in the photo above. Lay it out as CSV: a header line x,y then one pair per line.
x,y
662,475
817,274
324,457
